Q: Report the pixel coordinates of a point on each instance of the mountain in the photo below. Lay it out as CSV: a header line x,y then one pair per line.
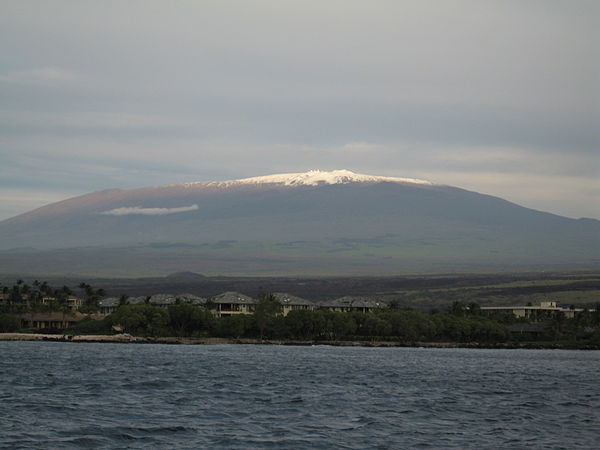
x,y
316,222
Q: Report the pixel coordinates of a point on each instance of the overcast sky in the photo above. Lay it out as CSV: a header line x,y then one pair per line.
x,y
500,97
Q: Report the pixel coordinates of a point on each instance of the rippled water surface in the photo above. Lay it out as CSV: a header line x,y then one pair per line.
x,y
57,395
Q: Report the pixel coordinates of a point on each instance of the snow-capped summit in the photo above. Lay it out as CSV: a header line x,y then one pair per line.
x,y
314,178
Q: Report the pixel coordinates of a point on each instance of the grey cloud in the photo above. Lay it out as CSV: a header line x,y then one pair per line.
x,y
383,70
38,75
214,90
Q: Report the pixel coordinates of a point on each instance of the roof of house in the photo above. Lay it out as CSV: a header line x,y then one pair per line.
x,y
109,302
136,300
233,298
162,299
288,299
349,301
531,308
191,298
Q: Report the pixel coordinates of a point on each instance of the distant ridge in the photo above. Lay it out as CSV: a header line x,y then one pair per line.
x,y
186,276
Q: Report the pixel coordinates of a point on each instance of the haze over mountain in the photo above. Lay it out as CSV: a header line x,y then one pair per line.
x,y
316,222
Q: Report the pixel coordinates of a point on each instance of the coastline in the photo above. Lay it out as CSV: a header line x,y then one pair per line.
x,y
128,339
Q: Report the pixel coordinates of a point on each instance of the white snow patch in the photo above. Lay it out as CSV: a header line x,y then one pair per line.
x,y
312,178
128,210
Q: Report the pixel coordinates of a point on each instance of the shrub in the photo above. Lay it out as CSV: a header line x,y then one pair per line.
x,y
9,323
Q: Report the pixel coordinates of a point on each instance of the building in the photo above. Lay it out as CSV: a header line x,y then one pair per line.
x,y
353,304
72,302
50,320
136,300
191,299
233,303
292,303
544,311
109,305
163,300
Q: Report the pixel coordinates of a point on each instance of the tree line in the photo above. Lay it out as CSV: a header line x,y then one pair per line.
x,y
42,297
462,322
390,324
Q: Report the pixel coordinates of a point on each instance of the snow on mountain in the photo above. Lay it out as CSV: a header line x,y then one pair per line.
x,y
311,178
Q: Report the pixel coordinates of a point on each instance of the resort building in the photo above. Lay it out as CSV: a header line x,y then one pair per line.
x,y
72,302
191,299
136,300
232,303
544,310
109,305
292,303
49,320
163,300
351,303
169,299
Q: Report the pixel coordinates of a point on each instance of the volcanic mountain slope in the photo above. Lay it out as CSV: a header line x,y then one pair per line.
x,y
306,220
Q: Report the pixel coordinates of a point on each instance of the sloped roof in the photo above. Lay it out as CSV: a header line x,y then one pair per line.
x,y
350,301
191,298
233,298
162,299
288,299
109,302
136,300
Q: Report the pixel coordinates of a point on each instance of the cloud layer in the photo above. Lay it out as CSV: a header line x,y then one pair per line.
x,y
138,210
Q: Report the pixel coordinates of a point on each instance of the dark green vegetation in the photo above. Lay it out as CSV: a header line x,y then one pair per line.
x,y
9,323
460,324
41,296
37,297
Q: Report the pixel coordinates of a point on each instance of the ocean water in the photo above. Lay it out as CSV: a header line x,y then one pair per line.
x,y
67,395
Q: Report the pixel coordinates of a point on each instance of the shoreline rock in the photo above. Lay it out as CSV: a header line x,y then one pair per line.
x,y
129,339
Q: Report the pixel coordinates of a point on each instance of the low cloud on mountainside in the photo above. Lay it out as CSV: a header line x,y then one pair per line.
x,y
125,211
